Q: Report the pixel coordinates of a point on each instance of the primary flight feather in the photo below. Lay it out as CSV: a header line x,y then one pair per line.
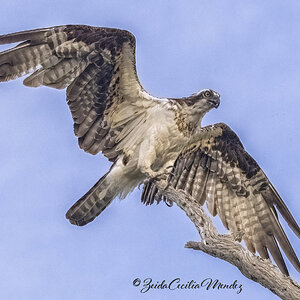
x,y
147,137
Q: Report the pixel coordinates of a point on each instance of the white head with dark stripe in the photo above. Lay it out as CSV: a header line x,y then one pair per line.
x,y
205,99
201,102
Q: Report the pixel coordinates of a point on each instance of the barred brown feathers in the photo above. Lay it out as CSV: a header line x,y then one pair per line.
x,y
89,61
218,170
145,136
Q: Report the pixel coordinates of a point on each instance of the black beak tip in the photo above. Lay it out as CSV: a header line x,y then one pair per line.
x,y
215,102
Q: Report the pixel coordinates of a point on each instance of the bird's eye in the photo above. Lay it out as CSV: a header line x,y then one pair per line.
x,y
207,94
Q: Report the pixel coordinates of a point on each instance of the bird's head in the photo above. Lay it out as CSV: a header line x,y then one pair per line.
x,y
206,99
200,103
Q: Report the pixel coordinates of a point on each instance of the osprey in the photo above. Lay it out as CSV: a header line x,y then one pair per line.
x,y
148,139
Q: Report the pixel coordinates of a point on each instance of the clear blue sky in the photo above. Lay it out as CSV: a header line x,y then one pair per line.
x,y
246,50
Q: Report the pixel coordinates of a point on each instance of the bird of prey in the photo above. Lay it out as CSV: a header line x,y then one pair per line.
x,y
148,139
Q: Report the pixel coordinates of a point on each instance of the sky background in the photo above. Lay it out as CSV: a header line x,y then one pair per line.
x,y
248,51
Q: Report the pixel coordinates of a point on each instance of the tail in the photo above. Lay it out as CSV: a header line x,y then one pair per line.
x,y
89,206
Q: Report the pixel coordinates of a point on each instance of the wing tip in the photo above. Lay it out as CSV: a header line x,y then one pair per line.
x,y
31,34
22,36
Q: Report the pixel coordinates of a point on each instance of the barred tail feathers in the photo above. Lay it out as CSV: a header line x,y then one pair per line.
x,y
89,206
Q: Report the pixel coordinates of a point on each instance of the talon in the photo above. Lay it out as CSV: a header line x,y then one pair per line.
x,y
144,182
167,185
169,203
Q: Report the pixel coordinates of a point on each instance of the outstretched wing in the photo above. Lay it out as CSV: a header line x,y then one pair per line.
x,y
97,65
219,170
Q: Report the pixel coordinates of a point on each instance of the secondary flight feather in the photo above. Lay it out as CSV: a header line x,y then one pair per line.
x,y
148,138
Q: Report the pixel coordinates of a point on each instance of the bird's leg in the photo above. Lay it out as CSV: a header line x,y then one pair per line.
x,y
152,176
147,156
161,176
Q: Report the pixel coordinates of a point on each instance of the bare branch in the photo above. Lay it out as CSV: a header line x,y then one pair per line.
x,y
225,247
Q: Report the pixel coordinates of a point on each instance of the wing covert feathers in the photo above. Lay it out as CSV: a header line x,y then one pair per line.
x,y
218,170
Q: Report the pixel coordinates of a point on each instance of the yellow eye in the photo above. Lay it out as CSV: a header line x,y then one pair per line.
x,y
207,94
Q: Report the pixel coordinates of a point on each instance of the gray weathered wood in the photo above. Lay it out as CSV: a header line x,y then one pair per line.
x,y
227,248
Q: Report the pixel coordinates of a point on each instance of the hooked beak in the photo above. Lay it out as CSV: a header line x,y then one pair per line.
x,y
215,101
